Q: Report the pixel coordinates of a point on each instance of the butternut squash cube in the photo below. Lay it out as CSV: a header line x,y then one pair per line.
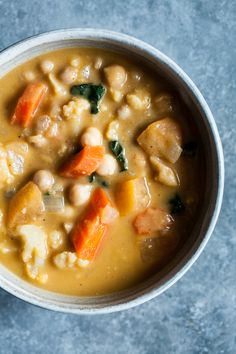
x,y
132,195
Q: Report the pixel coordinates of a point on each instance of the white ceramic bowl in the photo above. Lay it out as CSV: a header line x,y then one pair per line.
x,y
159,62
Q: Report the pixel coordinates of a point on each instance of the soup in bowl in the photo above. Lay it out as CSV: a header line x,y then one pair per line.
x,y
103,172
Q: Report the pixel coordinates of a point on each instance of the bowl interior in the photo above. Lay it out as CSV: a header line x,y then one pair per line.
x,y
204,121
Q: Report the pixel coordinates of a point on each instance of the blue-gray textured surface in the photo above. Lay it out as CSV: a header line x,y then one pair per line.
x,y
198,314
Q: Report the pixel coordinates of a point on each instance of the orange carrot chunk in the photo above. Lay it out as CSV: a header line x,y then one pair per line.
x,y
28,104
84,163
89,233
152,221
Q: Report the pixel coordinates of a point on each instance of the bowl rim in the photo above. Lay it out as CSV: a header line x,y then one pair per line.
x,y
120,38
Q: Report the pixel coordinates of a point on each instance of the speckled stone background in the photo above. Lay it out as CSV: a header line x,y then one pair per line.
x,y
198,314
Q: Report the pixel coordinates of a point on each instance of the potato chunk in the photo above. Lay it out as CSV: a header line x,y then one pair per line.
x,y
25,206
34,252
132,195
165,174
163,139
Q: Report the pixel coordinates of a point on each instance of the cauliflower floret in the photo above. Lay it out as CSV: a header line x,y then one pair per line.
x,y
55,239
74,108
5,177
34,273
34,240
139,99
58,87
112,130
35,251
16,153
12,159
66,260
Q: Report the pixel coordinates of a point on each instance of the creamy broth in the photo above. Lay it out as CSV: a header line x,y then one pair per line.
x,y
127,255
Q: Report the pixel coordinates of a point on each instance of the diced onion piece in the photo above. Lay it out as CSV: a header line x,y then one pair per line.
x,y
53,203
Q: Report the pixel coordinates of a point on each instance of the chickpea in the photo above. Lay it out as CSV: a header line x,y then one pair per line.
x,y
92,136
44,179
47,66
69,75
116,76
79,194
108,166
